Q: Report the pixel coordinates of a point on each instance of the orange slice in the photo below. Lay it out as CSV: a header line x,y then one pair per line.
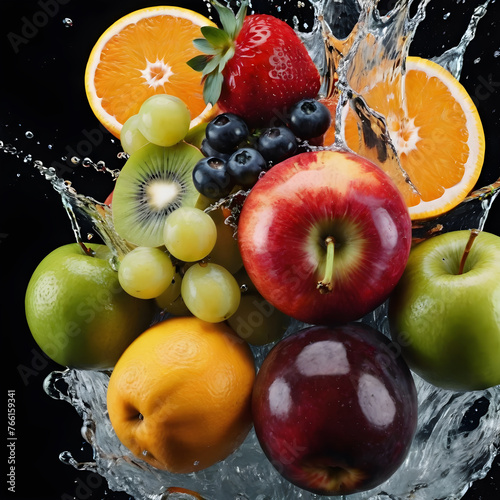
x,y
142,54
439,140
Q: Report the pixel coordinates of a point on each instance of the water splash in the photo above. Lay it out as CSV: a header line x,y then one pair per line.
x,y
79,207
453,59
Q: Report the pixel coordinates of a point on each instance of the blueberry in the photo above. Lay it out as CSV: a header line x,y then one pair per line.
x,y
277,144
245,166
208,150
226,132
211,178
309,118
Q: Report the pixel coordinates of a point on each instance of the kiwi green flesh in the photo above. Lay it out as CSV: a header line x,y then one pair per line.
x,y
153,182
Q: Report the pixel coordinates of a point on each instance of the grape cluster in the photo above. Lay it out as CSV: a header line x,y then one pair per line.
x,y
206,289
235,156
199,271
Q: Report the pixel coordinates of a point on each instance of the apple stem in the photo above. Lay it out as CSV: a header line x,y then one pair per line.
x,y
87,250
473,235
326,284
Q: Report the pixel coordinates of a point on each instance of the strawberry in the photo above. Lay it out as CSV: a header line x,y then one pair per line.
x,y
255,66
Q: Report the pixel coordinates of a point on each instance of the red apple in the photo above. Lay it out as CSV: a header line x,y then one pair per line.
x,y
334,409
325,236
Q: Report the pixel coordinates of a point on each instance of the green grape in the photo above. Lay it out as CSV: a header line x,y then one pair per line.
x,y
171,293
131,138
189,234
257,321
145,272
210,292
164,119
226,251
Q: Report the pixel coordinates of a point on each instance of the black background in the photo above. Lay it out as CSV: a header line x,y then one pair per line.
x,y
43,92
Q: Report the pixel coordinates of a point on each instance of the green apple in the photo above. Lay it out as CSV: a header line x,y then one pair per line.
x,y
77,312
445,310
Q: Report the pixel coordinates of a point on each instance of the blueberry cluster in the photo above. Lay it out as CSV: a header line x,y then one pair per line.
x,y
237,156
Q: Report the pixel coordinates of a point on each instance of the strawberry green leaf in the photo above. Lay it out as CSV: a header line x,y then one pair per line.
x,y
212,87
226,57
240,17
231,24
227,18
198,63
213,65
216,37
203,45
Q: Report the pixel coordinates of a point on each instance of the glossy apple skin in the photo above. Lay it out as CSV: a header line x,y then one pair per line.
x,y
295,206
448,324
335,410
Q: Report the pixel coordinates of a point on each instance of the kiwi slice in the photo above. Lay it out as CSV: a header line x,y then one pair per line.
x,y
153,182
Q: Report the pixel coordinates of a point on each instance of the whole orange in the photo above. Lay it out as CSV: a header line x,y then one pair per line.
x,y
179,396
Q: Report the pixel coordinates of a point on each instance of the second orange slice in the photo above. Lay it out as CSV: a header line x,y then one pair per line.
x,y
439,138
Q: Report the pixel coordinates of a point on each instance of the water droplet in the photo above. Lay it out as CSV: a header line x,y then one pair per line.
x,y
447,15
244,288
87,162
496,53
477,60
67,22
50,146
27,158
29,135
75,160
65,457
145,452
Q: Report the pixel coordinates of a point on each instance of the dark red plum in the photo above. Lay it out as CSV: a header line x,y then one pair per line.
x,y
335,410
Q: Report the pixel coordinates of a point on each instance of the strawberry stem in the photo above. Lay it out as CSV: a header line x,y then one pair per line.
x,y
217,48
326,284
87,250
473,235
